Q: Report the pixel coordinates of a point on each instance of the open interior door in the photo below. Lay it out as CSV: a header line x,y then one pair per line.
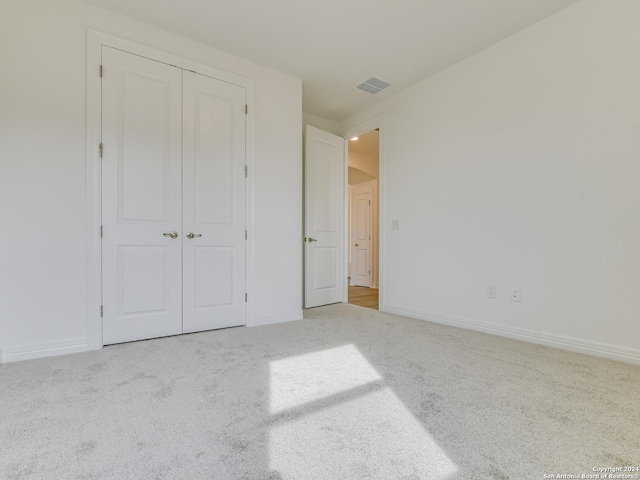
x,y
324,218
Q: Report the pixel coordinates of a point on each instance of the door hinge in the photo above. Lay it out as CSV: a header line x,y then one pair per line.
x,y
245,298
246,171
100,71
369,202
101,148
102,310
246,235
101,231
246,109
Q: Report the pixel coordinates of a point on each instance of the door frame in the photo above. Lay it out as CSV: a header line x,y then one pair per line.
x,y
95,41
360,129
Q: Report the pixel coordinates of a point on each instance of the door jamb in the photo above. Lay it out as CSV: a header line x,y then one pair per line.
x,y
95,41
360,129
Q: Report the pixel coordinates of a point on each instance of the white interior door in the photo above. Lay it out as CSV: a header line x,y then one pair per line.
x,y
142,198
324,218
361,239
214,203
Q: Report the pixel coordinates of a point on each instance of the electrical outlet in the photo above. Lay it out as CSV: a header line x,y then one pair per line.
x,y
515,294
491,291
395,224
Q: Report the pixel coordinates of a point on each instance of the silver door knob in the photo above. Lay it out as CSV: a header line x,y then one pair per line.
x,y
192,235
173,235
311,240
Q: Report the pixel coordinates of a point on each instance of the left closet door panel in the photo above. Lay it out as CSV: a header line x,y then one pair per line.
x,y
141,197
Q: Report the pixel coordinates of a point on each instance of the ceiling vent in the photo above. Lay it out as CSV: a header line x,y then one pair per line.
x,y
373,85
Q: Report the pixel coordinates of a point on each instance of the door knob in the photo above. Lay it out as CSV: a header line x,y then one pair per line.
x,y
173,235
192,235
311,240
357,244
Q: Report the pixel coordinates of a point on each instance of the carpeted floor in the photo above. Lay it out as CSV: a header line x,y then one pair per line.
x,y
347,393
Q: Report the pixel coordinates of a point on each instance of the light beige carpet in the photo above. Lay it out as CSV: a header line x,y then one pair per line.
x,y
347,393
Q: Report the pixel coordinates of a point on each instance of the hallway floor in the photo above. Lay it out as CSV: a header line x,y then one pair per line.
x,y
363,297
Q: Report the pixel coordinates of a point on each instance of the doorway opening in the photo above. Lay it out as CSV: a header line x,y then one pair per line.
x,y
364,219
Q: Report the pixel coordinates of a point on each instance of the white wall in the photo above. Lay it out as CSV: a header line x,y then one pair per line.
x,y
325,124
519,167
365,162
43,187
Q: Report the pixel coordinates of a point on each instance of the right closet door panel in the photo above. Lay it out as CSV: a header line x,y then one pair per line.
x,y
213,203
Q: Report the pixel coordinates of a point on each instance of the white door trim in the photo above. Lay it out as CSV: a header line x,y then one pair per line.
x,y
95,40
360,129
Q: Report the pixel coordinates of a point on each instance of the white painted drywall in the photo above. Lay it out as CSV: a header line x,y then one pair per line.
x,y
325,124
519,166
43,262
365,162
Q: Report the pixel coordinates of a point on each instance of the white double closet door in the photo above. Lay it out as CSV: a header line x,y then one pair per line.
x,y
173,200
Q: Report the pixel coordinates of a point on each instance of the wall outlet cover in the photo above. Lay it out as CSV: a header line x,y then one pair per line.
x,y
515,294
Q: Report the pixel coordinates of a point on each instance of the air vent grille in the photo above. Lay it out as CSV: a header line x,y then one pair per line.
x,y
373,85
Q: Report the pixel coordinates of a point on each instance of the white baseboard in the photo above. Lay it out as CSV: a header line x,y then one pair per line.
x,y
572,344
275,318
46,349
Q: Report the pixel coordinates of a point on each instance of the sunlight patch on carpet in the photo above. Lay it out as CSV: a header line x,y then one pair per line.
x,y
337,419
302,379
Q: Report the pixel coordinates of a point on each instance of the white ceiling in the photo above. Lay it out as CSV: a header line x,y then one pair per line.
x,y
334,45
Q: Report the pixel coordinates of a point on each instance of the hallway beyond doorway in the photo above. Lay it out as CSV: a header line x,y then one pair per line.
x,y
363,297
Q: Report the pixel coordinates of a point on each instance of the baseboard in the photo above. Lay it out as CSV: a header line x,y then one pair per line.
x,y
572,344
275,318
375,285
46,349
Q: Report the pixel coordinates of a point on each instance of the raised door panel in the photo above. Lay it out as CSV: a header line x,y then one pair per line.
x,y
144,161
323,176
141,188
214,159
213,290
325,276
214,203
361,263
